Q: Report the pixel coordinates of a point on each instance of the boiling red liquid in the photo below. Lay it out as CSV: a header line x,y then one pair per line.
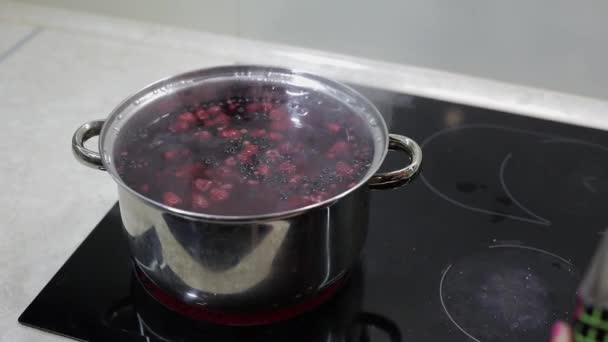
x,y
246,156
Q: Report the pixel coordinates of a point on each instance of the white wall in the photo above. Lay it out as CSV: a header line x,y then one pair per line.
x,y
555,44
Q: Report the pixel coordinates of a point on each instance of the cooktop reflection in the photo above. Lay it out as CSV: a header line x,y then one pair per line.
x,y
487,244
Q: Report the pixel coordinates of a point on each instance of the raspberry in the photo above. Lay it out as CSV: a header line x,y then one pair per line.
x,y
344,169
219,195
187,117
253,107
179,126
273,155
333,127
199,201
214,109
188,171
230,133
263,170
203,136
243,158
339,148
287,167
202,184
230,161
281,125
260,132
275,136
278,114
202,115
171,199
287,148
144,188
249,149
171,154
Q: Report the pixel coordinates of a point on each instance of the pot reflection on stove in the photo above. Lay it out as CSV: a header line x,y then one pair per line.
x,y
340,319
520,171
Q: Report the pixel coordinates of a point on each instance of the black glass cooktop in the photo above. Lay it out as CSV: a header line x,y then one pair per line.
x,y
487,244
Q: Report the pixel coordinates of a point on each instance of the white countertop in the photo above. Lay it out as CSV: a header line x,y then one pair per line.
x,y
59,69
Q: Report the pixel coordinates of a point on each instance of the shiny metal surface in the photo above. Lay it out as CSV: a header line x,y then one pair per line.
x,y
245,263
246,266
403,143
84,155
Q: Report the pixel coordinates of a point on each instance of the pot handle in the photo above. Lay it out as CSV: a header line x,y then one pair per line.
x,y
396,178
84,155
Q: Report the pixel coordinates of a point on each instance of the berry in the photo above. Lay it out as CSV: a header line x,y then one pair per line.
x,y
187,117
333,127
243,157
202,115
188,171
219,194
224,172
273,155
267,106
319,196
275,136
253,107
287,167
260,132
219,120
214,109
339,148
203,136
171,154
199,201
344,169
230,161
249,149
230,133
281,125
179,126
171,199
202,184
263,170
278,114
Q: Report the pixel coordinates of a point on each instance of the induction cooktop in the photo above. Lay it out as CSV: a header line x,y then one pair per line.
x,y
487,244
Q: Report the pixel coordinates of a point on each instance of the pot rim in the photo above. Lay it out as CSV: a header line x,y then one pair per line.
x,y
236,69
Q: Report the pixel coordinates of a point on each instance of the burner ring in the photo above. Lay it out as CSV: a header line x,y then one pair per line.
x,y
502,293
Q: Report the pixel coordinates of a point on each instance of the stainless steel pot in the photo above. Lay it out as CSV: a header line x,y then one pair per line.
x,y
243,263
